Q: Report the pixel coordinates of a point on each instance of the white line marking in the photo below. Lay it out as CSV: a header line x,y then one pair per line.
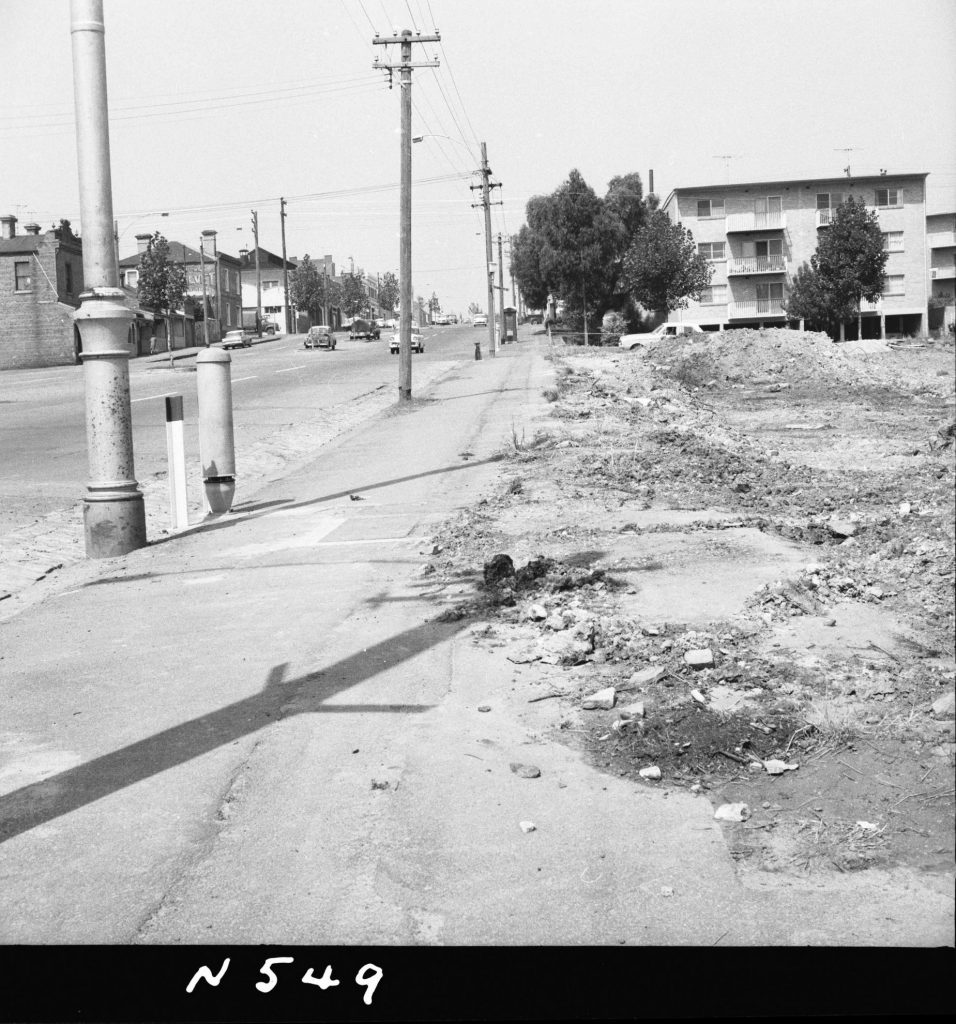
x,y
238,380
149,398
288,368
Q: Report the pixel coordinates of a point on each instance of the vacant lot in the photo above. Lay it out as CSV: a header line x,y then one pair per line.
x,y
784,507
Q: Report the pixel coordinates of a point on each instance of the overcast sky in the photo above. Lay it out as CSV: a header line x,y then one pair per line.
x,y
221,106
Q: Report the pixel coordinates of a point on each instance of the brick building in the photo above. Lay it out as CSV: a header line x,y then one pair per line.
x,y
41,278
758,234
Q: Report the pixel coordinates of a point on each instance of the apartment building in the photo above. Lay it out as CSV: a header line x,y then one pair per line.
x,y
941,236
758,234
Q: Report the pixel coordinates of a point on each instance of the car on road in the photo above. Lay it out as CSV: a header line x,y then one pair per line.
x,y
237,339
360,328
418,343
480,320
391,323
320,336
441,320
630,341
452,319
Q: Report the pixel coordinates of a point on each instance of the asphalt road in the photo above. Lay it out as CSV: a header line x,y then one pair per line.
x,y
275,383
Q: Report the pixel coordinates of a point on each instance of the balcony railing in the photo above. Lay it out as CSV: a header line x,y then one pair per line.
x,y
870,307
756,265
824,218
941,239
754,308
770,221
941,273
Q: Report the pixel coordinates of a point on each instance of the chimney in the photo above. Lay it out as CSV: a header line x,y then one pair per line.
x,y
8,226
209,242
142,241
32,229
650,181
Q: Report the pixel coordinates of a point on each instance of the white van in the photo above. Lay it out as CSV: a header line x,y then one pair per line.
x,y
630,341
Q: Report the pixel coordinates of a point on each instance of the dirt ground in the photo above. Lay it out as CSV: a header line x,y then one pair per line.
x,y
783,504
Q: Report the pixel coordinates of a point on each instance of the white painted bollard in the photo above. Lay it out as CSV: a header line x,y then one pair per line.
x,y
176,453
216,445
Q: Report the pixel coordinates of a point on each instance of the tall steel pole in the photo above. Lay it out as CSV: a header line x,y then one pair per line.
x,y
114,516
285,271
501,289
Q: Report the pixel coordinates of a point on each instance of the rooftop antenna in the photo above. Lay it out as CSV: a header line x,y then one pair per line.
x,y
848,150
726,157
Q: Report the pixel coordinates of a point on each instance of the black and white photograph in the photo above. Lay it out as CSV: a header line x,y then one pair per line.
x,y
476,489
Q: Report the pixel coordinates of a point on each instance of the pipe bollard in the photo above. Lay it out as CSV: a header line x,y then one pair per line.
x,y
477,351
216,444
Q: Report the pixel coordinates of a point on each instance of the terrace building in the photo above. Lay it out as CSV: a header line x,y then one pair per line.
x,y
758,234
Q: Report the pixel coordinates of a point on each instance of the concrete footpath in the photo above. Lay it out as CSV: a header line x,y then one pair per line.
x,y
265,730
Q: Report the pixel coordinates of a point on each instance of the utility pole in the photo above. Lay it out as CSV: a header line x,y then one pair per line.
x,y
486,186
285,271
205,307
255,236
405,261
114,515
515,297
501,290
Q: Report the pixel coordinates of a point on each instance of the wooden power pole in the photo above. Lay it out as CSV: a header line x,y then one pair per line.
x,y
501,289
486,186
255,235
405,66
285,271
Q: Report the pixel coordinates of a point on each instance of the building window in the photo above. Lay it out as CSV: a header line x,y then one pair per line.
x,y
892,241
829,200
770,247
710,208
888,197
711,250
270,284
272,309
716,295
893,284
23,277
131,278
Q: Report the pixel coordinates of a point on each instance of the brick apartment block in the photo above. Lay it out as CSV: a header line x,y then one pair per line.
x,y
758,234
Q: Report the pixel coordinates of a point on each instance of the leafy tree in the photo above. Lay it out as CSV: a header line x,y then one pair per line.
x,y
850,260
388,291
354,296
434,306
161,284
473,308
525,262
625,201
305,289
810,300
662,268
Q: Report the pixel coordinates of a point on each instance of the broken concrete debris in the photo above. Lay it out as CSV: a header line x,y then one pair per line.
x,y
603,700
651,772
842,527
777,767
527,826
732,812
647,676
699,659
525,771
945,707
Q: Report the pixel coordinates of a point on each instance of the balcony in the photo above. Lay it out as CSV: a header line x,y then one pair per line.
x,y
824,217
755,308
756,265
942,273
941,239
773,220
871,307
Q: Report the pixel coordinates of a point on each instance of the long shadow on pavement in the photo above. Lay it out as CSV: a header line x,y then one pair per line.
x,y
42,801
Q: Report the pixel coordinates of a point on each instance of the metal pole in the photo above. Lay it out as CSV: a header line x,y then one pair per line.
x,y
501,291
285,271
114,516
486,203
205,308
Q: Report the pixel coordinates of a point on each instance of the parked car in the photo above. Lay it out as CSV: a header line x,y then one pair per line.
x,y
391,323
360,328
237,339
630,341
320,336
418,343
534,316
452,319
480,320
379,323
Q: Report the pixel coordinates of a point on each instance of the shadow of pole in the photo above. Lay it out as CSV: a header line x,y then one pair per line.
x,y
42,801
